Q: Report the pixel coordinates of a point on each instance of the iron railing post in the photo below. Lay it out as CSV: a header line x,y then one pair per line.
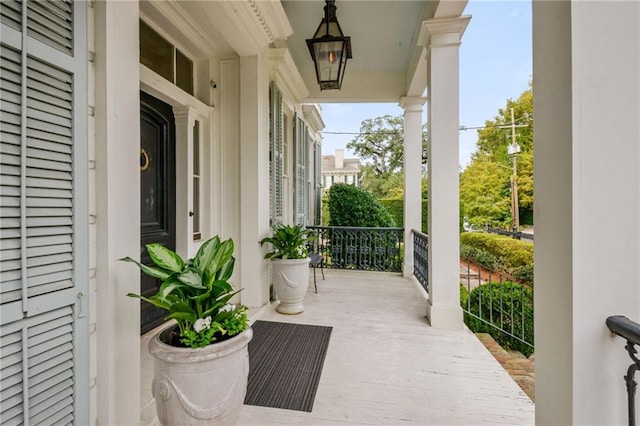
x,y
629,330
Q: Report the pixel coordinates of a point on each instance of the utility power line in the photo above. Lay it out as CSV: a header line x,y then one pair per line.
x,y
394,133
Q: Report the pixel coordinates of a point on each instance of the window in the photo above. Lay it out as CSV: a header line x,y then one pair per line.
x,y
350,180
162,57
197,235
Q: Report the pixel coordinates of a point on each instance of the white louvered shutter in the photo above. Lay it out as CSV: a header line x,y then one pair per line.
x,y
276,129
301,155
43,213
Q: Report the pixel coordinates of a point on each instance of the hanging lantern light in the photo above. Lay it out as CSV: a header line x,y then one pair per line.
x,y
329,50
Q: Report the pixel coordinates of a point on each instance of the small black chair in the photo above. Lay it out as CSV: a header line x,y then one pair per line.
x,y
316,260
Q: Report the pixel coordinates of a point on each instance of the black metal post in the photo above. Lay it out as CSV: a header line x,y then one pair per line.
x,y
631,383
630,331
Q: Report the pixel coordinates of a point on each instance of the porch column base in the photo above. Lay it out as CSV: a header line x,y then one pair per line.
x,y
444,316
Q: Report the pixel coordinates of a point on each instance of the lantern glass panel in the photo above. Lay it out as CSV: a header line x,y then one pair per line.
x,y
329,57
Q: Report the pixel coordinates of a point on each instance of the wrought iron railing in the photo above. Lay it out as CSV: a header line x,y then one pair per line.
x,y
421,258
368,249
630,331
495,303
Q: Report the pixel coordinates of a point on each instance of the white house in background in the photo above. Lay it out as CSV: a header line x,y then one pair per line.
x,y
337,169
125,122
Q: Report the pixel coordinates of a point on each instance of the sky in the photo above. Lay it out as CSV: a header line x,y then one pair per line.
x,y
495,65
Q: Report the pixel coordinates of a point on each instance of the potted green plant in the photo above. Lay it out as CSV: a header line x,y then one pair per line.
x,y
290,265
201,362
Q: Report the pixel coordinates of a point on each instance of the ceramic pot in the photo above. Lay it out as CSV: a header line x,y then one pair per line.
x,y
203,386
290,280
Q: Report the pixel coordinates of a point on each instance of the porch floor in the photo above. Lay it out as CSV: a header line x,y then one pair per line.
x,y
386,365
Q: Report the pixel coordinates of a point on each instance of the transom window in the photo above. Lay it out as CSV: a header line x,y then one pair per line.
x,y
162,57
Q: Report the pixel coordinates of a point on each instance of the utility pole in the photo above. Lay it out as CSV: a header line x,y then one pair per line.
x,y
514,149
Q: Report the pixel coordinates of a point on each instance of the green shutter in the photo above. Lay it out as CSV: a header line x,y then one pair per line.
x,y
318,184
300,179
43,213
276,135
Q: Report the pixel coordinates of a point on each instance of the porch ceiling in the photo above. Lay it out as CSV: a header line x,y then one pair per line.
x,y
387,62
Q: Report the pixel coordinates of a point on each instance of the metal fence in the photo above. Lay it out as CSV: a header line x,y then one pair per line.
x,y
421,258
360,248
495,303
510,233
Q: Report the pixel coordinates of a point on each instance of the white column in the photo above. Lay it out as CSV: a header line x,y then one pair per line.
x,y
185,120
254,178
412,175
587,204
442,39
117,211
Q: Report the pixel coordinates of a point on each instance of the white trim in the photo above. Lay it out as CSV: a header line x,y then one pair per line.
x,y
443,31
168,92
275,17
286,75
182,20
313,116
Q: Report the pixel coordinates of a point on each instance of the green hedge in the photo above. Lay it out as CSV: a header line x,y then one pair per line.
x,y
395,207
488,301
500,252
349,205
513,253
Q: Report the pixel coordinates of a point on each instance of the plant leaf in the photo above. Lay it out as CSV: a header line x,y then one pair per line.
x,y
168,287
165,258
221,257
158,303
185,316
226,270
201,297
205,253
192,278
149,270
222,286
219,303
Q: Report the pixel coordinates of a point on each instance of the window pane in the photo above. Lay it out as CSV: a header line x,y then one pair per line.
x,y
196,148
156,53
184,72
196,181
196,208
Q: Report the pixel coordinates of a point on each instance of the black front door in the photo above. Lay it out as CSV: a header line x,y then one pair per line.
x,y
157,193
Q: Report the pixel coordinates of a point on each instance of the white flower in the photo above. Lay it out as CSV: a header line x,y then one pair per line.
x,y
227,308
202,324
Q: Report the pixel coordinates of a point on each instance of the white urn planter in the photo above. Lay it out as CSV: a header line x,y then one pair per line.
x,y
290,280
203,386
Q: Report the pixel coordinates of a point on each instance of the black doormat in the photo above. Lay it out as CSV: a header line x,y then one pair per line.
x,y
285,363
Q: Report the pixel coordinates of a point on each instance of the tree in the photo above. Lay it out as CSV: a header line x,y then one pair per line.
x,y
486,179
484,192
380,145
495,137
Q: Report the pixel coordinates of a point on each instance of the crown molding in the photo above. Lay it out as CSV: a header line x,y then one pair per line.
x,y
249,26
286,75
274,16
158,13
313,116
443,31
